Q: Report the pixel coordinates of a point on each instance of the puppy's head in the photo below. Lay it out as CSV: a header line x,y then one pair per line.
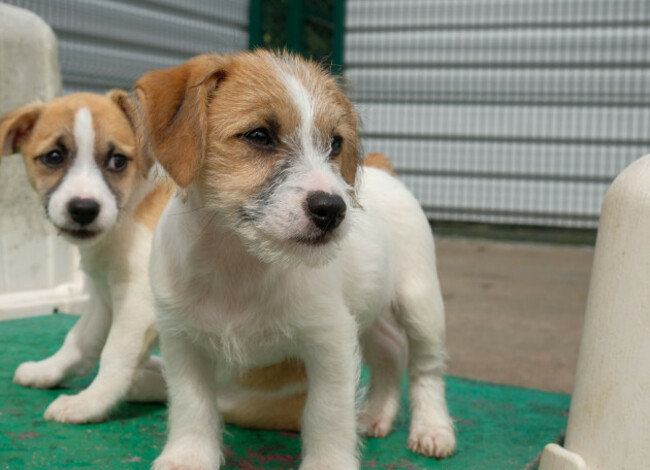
x,y
269,141
81,158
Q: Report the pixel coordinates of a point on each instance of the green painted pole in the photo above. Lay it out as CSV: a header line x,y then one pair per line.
x,y
295,19
255,17
338,39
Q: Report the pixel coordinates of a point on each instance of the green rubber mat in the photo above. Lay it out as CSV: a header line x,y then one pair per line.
x,y
499,428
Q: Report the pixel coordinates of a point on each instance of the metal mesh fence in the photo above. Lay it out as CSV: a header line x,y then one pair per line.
x,y
107,44
503,111
500,111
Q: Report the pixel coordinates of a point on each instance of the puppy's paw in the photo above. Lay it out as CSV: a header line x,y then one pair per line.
x,y
379,427
37,375
187,458
437,442
77,409
174,465
377,421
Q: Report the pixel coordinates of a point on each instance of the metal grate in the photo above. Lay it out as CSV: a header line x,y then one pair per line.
x,y
508,111
107,44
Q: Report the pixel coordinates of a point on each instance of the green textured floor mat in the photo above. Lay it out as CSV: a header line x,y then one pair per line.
x,y
499,428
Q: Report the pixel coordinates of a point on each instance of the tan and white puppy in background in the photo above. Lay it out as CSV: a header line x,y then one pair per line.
x,y
97,190
278,247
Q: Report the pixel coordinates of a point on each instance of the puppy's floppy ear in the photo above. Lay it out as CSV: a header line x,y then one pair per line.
x,y
16,126
350,156
174,108
128,104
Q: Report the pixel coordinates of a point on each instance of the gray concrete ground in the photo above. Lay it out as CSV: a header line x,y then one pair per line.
x,y
514,311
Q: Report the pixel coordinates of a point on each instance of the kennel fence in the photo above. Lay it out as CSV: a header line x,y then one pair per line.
x,y
505,112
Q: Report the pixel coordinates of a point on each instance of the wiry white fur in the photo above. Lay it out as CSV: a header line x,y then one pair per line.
x,y
223,307
83,180
272,237
119,326
230,297
118,329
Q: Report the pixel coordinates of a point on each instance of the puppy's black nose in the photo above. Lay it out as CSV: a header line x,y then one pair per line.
x,y
327,211
83,211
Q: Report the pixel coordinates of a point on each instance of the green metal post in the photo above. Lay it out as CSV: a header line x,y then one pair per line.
x,y
338,39
295,19
255,16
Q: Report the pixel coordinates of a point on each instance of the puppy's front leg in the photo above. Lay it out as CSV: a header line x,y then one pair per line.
x,y
329,419
130,339
194,436
78,353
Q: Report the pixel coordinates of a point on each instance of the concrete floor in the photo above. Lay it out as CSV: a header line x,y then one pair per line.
x,y
514,311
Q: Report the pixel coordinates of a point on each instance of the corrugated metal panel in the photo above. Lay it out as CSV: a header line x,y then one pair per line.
x,y
427,14
508,111
107,44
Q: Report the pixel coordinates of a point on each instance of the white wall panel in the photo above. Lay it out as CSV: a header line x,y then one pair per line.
x,y
382,14
507,111
107,44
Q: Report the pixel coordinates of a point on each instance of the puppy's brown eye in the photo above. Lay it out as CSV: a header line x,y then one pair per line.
x,y
117,162
53,159
337,143
259,137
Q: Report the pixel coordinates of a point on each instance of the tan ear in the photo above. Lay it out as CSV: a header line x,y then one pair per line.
x,y
350,163
174,108
128,104
16,126
350,157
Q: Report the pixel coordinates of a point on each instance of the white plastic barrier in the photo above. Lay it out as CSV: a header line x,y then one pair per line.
x,y
38,271
609,422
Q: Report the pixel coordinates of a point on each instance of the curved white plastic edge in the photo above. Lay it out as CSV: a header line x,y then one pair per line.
x,y
65,298
555,457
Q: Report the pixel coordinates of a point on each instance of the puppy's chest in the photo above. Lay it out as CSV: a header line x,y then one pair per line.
x,y
240,328
238,349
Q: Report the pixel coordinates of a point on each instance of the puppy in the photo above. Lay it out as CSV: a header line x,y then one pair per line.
x,y
97,190
79,149
278,247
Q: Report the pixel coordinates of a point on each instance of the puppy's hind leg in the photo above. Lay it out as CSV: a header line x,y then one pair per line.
x,y
149,383
384,350
421,312
77,355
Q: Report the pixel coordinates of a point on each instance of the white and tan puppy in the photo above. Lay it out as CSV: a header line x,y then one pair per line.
x,y
97,190
100,193
277,248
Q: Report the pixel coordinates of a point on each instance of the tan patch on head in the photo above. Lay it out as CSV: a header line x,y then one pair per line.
x,y
47,127
254,95
334,114
250,97
379,160
196,114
